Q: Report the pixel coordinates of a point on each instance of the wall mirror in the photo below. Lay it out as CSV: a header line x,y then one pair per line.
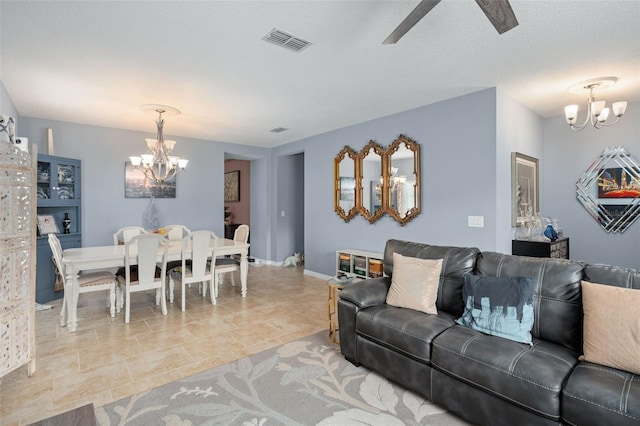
x,y
610,190
525,198
402,178
370,182
345,169
378,181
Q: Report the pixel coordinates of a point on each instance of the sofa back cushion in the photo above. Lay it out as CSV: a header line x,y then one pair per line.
x,y
557,301
456,261
612,275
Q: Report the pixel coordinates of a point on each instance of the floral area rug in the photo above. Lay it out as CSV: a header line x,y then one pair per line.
x,y
304,382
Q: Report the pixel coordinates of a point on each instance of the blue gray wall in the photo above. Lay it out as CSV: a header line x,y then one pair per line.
x,y
567,155
466,144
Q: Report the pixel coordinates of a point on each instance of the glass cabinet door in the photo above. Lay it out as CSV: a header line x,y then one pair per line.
x,y
58,180
44,180
65,189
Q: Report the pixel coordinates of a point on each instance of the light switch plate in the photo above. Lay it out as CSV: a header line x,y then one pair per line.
x,y
476,221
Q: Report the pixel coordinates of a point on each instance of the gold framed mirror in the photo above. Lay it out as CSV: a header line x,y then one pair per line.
x,y
369,182
402,180
378,181
345,168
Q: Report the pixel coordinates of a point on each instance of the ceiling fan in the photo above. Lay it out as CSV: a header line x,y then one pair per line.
x,y
499,13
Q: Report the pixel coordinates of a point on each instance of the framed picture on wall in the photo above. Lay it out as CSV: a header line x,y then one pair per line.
x,y
524,188
47,224
137,185
232,186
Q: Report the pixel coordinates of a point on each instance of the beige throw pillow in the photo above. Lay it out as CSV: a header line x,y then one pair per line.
x,y
414,283
611,326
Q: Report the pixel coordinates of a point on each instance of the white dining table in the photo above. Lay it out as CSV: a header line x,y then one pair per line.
x,y
112,256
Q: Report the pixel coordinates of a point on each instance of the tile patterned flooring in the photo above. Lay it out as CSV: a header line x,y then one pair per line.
x,y
106,359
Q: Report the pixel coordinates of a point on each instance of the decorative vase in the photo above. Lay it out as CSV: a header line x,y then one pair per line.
x,y
66,224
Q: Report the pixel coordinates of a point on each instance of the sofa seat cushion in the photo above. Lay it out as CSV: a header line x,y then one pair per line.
x,y
595,394
528,376
404,330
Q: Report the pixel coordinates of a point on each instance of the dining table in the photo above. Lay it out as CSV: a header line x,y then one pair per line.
x,y
113,256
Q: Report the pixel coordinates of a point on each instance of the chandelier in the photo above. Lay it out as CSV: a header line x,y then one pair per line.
x,y
597,114
395,181
159,165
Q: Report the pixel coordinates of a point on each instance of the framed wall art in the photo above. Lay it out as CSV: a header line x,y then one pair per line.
x,y
525,197
232,186
610,189
47,224
137,185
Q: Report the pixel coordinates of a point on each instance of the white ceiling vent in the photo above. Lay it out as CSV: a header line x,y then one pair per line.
x,y
284,39
278,130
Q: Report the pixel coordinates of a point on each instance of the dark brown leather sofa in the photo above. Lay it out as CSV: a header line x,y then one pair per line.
x,y
486,379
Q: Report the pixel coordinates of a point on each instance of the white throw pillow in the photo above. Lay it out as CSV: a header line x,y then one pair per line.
x,y
414,283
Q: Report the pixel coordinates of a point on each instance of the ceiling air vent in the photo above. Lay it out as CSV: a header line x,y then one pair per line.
x,y
278,129
284,39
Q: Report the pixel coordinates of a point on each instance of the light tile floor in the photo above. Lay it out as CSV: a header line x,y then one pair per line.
x,y
106,360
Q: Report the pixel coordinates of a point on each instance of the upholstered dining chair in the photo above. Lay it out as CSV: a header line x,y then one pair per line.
x,y
195,267
123,235
231,264
142,251
87,281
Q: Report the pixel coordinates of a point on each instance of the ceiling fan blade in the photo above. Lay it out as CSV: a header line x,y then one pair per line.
x,y
416,14
499,13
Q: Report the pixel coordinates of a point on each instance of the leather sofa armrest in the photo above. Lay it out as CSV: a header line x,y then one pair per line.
x,y
367,293
353,298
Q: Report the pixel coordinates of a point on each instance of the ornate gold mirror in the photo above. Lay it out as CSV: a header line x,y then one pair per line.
x,y
402,179
378,181
345,172
370,201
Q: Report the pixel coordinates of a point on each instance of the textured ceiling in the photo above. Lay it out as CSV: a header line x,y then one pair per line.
x,y
97,62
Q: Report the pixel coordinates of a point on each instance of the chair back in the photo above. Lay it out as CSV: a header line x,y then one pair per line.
x,y
241,233
56,250
196,246
123,235
176,232
142,250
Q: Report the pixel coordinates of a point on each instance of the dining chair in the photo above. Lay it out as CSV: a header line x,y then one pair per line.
x,y
87,281
231,264
195,267
123,235
141,252
176,232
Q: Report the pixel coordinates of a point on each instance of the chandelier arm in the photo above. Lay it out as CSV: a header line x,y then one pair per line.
x,y
611,123
587,119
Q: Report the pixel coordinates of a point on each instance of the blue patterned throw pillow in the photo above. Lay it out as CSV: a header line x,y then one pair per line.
x,y
500,306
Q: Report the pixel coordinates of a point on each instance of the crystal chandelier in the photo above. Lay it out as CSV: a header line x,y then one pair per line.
x,y
159,165
597,114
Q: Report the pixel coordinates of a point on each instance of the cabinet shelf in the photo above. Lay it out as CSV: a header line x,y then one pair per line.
x,y
361,264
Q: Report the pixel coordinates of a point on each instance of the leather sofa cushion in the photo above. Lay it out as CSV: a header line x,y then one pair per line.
x,y
528,376
595,394
404,330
